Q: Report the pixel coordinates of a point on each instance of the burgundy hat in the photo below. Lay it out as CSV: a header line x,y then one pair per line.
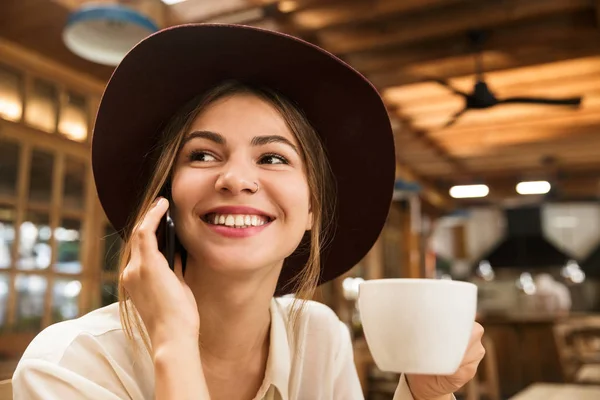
x,y
169,68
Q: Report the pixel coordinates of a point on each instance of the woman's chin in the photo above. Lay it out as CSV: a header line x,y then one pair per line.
x,y
243,264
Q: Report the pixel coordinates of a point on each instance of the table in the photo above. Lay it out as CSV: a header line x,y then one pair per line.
x,y
556,391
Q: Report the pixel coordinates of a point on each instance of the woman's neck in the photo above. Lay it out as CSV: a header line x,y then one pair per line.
x,y
234,313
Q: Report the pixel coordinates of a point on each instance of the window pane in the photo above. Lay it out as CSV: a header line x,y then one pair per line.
x,y
68,245
11,99
30,302
4,285
9,165
34,242
40,184
109,293
112,248
42,106
65,299
73,121
75,172
7,235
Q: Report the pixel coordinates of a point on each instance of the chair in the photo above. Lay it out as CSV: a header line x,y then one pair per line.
x,y
578,344
6,390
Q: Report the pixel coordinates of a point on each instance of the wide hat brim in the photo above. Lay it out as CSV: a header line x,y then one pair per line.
x,y
169,68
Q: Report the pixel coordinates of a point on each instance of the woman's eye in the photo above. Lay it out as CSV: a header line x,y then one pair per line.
x,y
201,156
272,159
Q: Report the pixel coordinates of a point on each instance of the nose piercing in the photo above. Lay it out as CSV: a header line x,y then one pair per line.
x,y
257,187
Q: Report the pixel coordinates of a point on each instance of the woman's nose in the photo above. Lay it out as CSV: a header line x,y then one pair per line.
x,y
235,183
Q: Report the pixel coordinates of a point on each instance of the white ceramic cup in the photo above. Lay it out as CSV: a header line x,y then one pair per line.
x,y
417,326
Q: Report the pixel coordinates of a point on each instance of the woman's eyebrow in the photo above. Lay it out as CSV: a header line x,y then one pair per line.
x,y
263,140
256,141
212,136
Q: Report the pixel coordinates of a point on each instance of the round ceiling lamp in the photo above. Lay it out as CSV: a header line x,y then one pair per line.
x,y
105,33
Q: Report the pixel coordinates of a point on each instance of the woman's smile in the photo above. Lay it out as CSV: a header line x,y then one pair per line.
x,y
237,221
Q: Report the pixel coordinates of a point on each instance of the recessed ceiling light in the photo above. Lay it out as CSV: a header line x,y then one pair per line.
x,y
533,187
170,2
469,191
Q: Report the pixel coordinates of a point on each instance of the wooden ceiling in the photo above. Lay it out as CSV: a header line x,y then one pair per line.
x,y
547,48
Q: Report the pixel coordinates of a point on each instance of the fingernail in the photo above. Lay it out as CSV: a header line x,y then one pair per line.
x,y
157,202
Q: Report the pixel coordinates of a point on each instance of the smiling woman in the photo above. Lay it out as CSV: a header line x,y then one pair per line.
x,y
275,161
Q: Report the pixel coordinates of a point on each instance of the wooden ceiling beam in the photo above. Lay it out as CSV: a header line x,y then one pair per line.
x,y
539,172
505,79
521,165
551,122
402,131
504,190
24,59
580,151
489,145
493,61
353,12
198,11
462,17
405,170
557,30
516,175
568,146
429,192
528,168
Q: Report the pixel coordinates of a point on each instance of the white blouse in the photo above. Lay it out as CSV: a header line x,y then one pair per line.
x,y
90,358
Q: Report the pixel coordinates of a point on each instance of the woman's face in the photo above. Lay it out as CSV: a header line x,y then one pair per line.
x,y
236,145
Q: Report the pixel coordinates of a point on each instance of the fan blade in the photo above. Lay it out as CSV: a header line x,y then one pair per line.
x,y
455,117
573,101
448,86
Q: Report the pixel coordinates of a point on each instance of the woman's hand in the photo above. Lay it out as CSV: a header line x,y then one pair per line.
x,y
162,298
430,387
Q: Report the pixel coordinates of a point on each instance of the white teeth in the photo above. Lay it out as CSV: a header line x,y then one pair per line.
x,y
238,220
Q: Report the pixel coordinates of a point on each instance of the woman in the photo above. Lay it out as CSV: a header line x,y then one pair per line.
x,y
278,163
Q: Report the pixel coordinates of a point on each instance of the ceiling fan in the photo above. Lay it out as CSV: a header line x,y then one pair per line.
x,y
482,97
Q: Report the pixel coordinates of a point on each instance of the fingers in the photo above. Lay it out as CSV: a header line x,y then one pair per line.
x,y
475,350
465,373
144,236
472,358
143,239
476,333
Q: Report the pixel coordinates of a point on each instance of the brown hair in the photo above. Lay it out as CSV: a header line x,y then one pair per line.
x,y
320,182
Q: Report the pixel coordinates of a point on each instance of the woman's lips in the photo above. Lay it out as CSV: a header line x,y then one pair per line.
x,y
233,232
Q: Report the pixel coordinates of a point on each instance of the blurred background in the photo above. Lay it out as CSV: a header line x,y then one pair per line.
x,y
495,106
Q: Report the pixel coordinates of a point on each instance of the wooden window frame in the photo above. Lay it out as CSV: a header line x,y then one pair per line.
x,y
31,67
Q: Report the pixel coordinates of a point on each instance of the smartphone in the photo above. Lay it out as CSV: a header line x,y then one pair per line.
x,y
169,245
165,234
